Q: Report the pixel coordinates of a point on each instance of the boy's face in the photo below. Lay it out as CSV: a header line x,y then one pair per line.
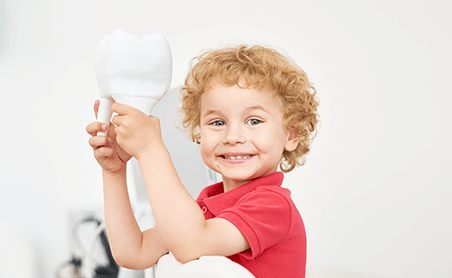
x,y
242,133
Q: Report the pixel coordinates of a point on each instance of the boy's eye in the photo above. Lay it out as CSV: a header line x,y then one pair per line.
x,y
217,123
254,121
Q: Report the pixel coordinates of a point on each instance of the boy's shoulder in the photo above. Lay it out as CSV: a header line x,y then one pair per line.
x,y
216,189
262,192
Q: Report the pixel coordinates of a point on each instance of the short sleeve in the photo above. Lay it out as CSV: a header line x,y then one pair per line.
x,y
262,216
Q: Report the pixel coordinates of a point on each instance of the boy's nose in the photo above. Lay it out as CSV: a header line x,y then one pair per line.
x,y
234,135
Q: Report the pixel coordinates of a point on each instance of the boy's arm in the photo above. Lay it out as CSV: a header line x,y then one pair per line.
x,y
179,219
181,222
130,247
125,238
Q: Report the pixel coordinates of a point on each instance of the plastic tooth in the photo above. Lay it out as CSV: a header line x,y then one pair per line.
x,y
132,71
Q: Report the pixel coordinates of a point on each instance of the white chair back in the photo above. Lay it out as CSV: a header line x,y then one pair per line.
x,y
204,267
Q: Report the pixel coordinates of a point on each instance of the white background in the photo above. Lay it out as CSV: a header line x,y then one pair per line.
x,y
377,187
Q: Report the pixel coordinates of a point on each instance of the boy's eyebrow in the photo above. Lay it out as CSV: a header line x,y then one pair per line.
x,y
257,107
208,112
252,107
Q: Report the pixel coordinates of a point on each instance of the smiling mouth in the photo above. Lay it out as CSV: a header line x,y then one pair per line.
x,y
236,157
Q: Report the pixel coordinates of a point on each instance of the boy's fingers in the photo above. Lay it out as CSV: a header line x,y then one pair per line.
x,y
102,153
118,120
94,127
96,107
121,109
98,142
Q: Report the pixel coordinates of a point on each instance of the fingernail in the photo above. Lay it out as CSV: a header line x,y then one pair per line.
x,y
104,127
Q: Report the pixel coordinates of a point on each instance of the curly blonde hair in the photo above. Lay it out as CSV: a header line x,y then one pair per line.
x,y
262,68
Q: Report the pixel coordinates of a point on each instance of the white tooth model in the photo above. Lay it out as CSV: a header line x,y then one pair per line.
x,y
132,71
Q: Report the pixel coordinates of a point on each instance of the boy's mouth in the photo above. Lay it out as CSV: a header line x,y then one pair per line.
x,y
236,157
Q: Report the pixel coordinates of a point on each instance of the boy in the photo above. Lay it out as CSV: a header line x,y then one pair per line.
x,y
251,110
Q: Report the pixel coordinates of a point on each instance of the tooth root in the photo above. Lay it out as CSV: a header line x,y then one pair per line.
x,y
104,113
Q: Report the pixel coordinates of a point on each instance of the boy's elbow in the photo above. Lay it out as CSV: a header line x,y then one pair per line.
x,y
129,262
122,261
118,259
185,257
187,249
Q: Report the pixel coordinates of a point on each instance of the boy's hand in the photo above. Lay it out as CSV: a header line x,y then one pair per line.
x,y
136,132
110,156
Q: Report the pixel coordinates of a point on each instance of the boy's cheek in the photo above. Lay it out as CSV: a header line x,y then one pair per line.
x,y
203,148
206,150
206,158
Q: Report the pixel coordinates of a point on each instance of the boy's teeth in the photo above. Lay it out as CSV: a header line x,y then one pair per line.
x,y
237,157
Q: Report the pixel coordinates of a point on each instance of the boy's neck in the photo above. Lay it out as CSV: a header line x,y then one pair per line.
x,y
230,184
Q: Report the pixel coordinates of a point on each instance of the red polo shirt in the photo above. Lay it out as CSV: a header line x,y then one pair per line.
x,y
265,214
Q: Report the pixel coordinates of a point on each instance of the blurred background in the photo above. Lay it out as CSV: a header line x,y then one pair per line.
x,y
376,190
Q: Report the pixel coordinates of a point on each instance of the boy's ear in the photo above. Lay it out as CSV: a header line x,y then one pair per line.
x,y
292,140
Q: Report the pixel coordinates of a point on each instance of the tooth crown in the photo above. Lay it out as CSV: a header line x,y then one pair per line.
x,y
126,66
132,71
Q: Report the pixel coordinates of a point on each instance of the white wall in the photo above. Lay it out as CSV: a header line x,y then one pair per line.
x,y
375,193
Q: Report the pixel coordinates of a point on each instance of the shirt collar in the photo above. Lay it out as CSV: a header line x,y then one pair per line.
x,y
217,200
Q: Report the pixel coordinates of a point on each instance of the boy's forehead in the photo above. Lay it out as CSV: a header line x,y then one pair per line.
x,y
243,91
